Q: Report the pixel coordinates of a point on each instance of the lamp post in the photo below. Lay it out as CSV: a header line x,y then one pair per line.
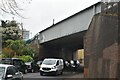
x,y
21,24
0,40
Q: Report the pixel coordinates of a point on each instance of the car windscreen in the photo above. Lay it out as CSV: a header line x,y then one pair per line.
x,y
49,62
39,62
28,63
2,72
18,62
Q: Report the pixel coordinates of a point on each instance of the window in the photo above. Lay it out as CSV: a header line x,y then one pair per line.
x,y
18,62
14,70
22,62
60,62
57,63
11,70
2,71
49,62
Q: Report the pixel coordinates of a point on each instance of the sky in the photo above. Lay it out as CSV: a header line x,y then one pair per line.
x,y
39,14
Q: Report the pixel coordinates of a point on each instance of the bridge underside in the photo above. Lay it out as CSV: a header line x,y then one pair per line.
x,y
64,47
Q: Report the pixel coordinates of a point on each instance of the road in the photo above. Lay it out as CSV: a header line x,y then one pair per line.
x,y
65,75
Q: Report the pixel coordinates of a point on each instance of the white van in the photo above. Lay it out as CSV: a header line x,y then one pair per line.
x,y
52,66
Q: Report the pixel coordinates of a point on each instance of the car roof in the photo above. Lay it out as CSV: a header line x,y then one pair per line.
x,y
5,65
10,58
52,59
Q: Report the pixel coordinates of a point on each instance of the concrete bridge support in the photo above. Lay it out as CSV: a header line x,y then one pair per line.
x,y
64,53
102,45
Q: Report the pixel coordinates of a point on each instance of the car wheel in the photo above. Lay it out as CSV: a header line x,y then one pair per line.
x,y
41,74
57,73
61,72
25,71
32,70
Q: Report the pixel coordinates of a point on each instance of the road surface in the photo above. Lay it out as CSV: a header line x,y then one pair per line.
x,y
64,76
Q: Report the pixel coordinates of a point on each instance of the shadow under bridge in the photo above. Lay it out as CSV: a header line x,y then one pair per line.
x,y
64,47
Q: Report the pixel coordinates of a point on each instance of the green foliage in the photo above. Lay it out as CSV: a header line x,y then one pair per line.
x,y
2,56
10,30
3,23
11,33
17,46
11,36
28,51
16,56
13,46
26,58
7,23
8,52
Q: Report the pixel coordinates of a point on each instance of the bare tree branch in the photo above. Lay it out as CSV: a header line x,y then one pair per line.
x,y
11,7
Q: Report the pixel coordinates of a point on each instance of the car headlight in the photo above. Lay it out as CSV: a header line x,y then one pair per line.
x,y
54,67
71,62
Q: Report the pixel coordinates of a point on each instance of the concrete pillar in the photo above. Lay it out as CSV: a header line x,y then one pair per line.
x,y
41,52
101,44
67,54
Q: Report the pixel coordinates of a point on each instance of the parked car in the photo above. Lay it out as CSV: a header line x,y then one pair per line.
x,y
75,63
18,63
67,63
52,66
32,67
10,72
39,63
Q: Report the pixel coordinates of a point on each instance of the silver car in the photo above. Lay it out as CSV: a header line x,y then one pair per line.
x,y
10,72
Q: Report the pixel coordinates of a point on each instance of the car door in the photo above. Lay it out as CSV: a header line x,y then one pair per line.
x,y
17,64
23,66
17,75
61,64
58,65
20,65
13,73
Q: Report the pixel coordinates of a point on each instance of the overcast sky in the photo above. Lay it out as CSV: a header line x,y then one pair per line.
x,y
40,13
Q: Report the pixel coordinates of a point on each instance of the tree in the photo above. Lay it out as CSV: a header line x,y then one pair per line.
x,y
11,6
11,31
26,58
28,51
8,52
17,46
3,56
